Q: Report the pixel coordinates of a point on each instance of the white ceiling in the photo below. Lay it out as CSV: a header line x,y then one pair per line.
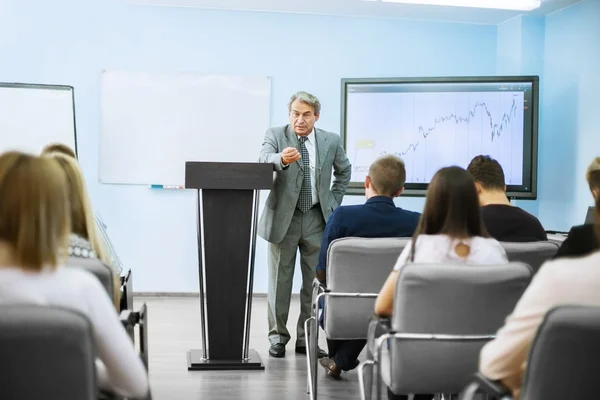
x,y
362,8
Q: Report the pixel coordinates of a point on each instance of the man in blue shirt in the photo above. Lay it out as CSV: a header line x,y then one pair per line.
x,y
378,217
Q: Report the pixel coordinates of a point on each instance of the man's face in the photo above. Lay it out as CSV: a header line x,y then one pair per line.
x,y
302,118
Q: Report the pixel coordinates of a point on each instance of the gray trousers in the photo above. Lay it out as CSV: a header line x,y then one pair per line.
x,y
305,233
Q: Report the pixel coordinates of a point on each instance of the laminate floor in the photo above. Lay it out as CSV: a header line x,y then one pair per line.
x,y
174,327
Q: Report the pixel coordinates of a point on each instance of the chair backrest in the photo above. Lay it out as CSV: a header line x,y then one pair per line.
x,y
103,272
562,362
47,353
449,299
357,265
533,254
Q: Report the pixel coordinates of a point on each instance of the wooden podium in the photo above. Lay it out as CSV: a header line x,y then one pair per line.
x,y
228,198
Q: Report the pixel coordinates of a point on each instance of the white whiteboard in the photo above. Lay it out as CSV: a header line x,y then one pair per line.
x,y
152,123
32,116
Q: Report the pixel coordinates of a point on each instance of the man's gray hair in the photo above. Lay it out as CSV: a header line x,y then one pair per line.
x,y
306,98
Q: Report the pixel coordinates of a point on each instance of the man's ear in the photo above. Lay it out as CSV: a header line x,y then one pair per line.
x,y
596,193
504,188
478,187
399,192
367,182
317,117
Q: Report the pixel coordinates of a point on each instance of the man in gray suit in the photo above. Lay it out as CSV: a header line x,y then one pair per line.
x,y
300,202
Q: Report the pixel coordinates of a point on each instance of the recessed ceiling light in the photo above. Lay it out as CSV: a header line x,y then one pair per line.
x,y
521,5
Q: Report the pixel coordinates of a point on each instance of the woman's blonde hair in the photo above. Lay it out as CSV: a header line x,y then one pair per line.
x,y
82,216
35,217
593,174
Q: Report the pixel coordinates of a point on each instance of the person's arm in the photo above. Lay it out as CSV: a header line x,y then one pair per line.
x,y
269,152
570,246
503,358
384,304
342,170
333,230
120,369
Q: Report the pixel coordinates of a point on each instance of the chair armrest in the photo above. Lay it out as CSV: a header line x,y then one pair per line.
x,y
377,327
482,384
130,319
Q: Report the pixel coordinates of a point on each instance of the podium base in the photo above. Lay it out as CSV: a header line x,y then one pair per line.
x,y
197,363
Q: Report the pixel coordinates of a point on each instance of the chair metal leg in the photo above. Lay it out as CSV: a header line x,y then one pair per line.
x,y
315,358
308,334
366,388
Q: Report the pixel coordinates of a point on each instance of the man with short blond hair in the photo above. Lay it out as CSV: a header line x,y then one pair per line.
x,y
378,217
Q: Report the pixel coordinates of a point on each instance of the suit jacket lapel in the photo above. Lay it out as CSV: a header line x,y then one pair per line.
x,y
322,148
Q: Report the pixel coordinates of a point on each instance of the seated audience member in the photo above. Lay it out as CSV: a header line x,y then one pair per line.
x,y
378,217
450,230
34,229
83,239
558,282
503,221
115,262
581,240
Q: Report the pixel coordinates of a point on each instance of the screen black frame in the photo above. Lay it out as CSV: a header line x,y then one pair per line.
x,y
512,191
49,87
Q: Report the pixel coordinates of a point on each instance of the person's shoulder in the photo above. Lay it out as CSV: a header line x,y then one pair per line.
x,y
585,229
80,275
526,214
329,135
561,269
408,213
346,212
278,130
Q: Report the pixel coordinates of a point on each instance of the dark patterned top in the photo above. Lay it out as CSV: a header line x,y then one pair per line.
x,y
80,247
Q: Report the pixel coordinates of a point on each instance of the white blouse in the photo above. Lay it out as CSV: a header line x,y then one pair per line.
x,y
119,367
441,249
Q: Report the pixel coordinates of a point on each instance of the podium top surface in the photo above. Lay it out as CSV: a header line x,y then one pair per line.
x,y
228,175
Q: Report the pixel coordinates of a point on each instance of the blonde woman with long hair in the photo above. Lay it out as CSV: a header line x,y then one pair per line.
x,y
84,240
35,222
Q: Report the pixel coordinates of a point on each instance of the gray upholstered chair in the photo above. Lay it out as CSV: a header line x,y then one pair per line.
x,y
443,314
356,270
103,272
47,353
562,362
533,254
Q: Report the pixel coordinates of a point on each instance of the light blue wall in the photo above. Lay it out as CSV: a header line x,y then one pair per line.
x,y
521,52
569,125
71,42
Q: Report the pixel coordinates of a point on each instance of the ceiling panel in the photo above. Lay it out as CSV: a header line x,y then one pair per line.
x,y
376,9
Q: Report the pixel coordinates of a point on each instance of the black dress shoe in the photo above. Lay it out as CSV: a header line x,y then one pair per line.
x,y
277,350
331,368
320,352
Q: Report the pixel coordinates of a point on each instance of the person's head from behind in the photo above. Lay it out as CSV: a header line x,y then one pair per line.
x,y
593,178
35,218
387,176
489,180
452,206
82,216
58,148
304,110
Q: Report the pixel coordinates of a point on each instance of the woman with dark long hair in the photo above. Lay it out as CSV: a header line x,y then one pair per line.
x,y
450,230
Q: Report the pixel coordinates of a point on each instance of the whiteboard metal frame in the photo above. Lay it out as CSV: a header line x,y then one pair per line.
x,y
16,85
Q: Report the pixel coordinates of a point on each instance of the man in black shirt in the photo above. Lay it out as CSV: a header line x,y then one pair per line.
x,y
582,239
504,222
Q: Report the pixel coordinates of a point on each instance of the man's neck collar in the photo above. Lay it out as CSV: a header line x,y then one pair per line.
x,y
494,198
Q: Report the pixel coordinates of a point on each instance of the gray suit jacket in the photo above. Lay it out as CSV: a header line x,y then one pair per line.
x,y
281,203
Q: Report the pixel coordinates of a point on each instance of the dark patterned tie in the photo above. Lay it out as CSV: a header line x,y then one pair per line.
x,y
305,199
